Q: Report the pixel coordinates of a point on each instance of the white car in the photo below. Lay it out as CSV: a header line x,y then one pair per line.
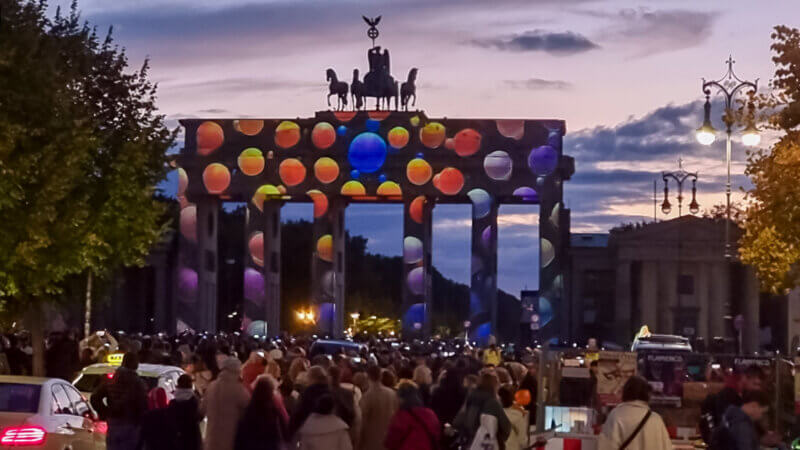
x,y
154,375
48,414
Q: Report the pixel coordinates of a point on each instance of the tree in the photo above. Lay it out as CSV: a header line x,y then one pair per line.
x,y
771,241
81,150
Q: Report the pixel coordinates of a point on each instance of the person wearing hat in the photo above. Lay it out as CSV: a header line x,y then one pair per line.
x,y
224,404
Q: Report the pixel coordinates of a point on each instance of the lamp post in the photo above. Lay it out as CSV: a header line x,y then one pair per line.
x,y
729,85
680,176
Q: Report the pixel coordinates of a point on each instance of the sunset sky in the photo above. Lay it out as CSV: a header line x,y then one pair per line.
x,y
624,75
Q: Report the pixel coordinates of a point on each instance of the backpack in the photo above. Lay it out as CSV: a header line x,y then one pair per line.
x,y
722,438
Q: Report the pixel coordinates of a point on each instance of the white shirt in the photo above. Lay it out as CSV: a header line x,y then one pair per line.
x,y
622,422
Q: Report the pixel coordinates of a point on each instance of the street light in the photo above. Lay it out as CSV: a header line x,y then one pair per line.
x,y
729,85
680,176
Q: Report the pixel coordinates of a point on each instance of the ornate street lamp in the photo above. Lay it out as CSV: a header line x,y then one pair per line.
x,y
729,85
680,176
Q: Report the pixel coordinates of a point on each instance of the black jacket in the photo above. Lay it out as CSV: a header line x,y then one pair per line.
x,y
122,399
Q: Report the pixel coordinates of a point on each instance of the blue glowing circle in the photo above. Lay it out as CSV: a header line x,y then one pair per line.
x,y
414,314
367,152
342,130
382,178
373,125
543,160
354,174
420,155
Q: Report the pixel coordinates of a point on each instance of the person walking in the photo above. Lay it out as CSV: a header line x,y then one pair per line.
x,y
448,396
263,426
423,379
224,404
256,365
518,438
378,405
716,405
122,403
323,430
318,386
632,425
413,427
185,412
738,428
483,401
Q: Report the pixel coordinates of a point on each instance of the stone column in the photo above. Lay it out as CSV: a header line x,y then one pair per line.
x,y
207,222
417,277
719,299
648,295
483,285
701,292
262,275
750,312
327,269
670,299
622,303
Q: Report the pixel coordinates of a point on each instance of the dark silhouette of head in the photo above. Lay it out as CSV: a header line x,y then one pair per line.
x,y
130,361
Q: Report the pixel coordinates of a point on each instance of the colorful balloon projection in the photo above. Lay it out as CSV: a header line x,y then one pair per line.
x,y
292,171
323,135
209,137
249,127
326,170
367,152
432,135
287,134
251,161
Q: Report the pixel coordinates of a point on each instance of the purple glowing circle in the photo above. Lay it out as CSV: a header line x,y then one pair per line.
x,y
253,285
543,160
187,283
526,194
412,250
486,237
416,280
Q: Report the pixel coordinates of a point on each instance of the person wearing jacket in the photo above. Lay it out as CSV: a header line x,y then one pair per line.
x,y
739,423
224,404
518,438
263,425
323,430
483,400
624,419
185,412
318,386
378,405
413,427
448,396
122,403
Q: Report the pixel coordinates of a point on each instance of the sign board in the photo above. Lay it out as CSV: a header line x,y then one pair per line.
x,y
614,369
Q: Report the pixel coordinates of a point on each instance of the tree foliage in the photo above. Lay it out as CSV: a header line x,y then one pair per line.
x,y
81,150
771,242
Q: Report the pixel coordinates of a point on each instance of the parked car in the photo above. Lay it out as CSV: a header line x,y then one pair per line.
x,y
47,413
333,346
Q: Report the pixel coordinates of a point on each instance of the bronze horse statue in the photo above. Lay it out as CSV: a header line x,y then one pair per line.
x,y
338,88
357,91
409,89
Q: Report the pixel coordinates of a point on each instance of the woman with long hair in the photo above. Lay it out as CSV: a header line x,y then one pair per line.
x,y
413,427
262,427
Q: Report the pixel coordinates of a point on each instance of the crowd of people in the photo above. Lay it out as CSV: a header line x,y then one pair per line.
x,y
242,393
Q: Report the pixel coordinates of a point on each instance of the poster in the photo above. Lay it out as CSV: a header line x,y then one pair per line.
x,y
613,371
666,373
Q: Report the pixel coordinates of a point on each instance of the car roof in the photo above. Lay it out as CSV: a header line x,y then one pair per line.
x,y
338,342
147,370
26,380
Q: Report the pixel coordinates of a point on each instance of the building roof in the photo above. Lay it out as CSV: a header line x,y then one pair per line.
x,y
593,240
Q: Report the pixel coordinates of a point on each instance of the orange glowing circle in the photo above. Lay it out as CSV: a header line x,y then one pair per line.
x,y
467,142
216,178
451,181
418,171
320,202
251,161
326,170
256,247
389,189
323,135
432,135
353,188
344,116
209,137
378,115
292,171
398,137
249,127
287,134
415,209
262,193
325,248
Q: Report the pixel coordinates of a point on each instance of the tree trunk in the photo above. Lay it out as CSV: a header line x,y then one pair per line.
x,y
35,323
87,319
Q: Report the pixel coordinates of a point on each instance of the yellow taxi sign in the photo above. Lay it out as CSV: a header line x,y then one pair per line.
x,y
115,359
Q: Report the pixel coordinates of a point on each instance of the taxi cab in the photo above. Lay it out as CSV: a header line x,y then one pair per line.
x,y
46,413
154,375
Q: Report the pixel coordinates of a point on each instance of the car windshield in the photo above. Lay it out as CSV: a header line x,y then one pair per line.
x,y
19,398
88,382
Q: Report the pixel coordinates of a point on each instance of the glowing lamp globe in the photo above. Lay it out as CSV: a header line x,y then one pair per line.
x,y
705,134
750,136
